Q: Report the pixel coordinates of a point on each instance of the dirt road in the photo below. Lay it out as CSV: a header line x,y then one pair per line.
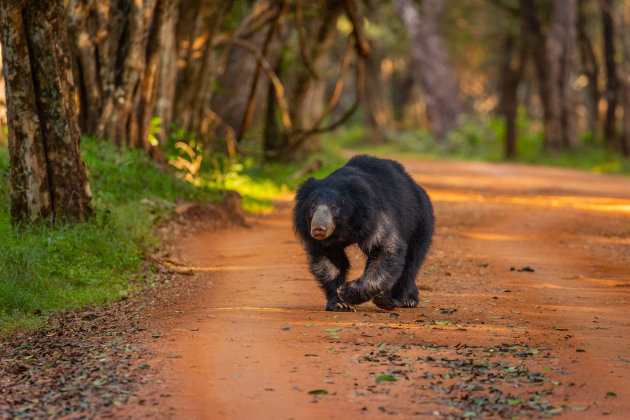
x,y
524,312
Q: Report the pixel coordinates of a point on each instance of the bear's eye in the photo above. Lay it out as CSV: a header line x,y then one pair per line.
x,y
334,207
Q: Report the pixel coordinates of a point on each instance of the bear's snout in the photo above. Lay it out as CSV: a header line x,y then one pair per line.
x,y
322,224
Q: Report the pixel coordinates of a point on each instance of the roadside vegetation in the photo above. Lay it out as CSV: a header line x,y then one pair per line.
x,y
481,139
47,268
50,268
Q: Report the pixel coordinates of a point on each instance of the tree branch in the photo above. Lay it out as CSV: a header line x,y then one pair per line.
x,y
338,85
301,137
277,84
299,27
249,112
363,47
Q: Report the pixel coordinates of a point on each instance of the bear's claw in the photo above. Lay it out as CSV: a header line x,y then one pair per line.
x,y
337,305
345,307
383,303
389,303
341,307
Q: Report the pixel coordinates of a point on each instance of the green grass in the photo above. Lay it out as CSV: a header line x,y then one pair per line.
x,y
45,269
261,183
481,140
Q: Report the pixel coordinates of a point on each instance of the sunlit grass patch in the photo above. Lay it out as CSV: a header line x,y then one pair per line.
x,y
261,184
48,268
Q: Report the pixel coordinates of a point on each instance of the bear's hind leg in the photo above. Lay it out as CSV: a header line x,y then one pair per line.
x,y
404,294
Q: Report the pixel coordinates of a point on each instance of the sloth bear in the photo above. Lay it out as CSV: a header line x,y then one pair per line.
x,y
374,203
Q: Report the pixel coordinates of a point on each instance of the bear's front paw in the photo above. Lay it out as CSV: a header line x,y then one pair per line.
x,y
350,293
337,305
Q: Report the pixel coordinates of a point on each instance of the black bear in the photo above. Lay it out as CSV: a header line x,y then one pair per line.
x,y
374,203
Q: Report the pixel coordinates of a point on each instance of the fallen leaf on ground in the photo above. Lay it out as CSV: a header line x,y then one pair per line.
x,y
318,392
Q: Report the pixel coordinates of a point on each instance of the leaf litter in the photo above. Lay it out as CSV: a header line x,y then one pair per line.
x,y
473,381
89,363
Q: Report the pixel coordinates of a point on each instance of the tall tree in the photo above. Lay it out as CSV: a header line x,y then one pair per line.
x,y
3,102
430,56
116,50
306,89
553,68
512,72
560,120
625,40
590,65
377,101
195,36
612,83
48,177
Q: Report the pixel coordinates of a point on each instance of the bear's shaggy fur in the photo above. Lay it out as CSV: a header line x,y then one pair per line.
x,y
374,203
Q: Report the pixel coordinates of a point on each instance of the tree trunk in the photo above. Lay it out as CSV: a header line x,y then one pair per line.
x,y
560,121
429,54
3,103
590,67
625,139
553,69
48,177
275,140
307,95
612,84
625,39
230,103
307,88
197,26
167,72
251,101
377,100
513,68
116,47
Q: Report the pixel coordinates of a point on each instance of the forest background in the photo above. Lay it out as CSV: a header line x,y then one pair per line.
x,y
255,95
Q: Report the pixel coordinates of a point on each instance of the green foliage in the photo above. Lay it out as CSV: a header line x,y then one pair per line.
x,y
154,128
49,268
262,184
259,183
475,139
481,139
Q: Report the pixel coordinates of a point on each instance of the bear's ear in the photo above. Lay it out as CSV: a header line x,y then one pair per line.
x,y
305,189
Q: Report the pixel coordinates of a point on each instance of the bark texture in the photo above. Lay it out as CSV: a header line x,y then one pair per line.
x,y
196,30
239,67
625,40
116,49
377,100
559,118
612,83
553,67
513,69
3,102
430,56
48,177
590,66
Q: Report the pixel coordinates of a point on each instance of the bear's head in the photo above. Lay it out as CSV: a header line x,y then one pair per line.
x,y
324,213
325,209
